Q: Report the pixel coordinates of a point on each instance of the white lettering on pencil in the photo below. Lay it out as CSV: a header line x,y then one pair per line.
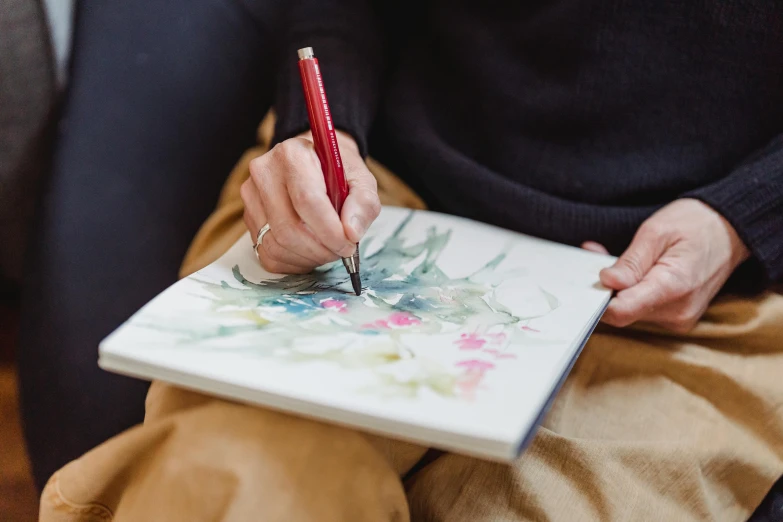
x,y
325,104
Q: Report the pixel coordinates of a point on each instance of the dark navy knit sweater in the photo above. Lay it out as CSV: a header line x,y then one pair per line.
x,y
570,120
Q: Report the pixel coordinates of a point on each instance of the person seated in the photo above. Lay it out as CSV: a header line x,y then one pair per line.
x,y
654,133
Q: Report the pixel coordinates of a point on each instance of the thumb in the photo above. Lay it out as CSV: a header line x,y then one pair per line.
x,y
362,205
647,247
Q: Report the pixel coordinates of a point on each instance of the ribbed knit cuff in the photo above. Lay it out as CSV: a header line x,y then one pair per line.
x,y
751,200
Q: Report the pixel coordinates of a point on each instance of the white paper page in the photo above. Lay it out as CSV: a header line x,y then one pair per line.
x,y
459,337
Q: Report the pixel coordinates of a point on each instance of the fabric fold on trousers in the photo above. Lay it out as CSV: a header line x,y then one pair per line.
x,y
649,425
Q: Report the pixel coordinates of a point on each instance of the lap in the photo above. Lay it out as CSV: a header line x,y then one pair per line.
x,y
647,427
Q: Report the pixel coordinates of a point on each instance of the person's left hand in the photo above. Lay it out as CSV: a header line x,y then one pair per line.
x,y
678,260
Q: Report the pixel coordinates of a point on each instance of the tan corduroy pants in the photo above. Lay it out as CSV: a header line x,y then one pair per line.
x,y
649,426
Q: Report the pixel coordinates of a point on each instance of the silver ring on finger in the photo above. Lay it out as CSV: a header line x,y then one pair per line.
x,y
260,239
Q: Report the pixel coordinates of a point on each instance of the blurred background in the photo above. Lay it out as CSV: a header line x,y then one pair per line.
x,y
35,38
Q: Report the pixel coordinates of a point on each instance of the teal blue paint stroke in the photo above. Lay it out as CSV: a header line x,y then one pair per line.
x,y
433,302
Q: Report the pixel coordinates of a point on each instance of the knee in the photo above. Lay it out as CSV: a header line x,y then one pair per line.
x,y
263,460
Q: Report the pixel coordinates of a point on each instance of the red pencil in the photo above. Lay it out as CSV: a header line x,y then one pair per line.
x,y
325,140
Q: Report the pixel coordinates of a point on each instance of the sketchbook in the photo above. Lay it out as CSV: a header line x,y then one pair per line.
x,y
459,341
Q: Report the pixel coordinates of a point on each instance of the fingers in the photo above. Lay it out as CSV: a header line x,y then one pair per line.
x,y
294,199
275,257
647,246
649,277
278,260
362,206
292,188
656,290
287,190
304,182
676,264
592,246
679,316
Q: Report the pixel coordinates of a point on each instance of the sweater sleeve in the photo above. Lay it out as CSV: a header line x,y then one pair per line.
x,y
346,38
751,199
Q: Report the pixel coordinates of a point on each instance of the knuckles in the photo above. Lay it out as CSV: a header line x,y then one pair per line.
x,y
258,166
304,197
279,159
259,173
291,151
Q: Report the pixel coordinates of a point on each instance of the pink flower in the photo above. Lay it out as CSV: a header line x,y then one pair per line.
x,y
395,320
470,381
498,354
497,338
475,365
376,325
334,304
403,319
470,341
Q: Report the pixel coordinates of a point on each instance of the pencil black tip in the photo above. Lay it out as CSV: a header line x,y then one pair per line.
x,y
356,282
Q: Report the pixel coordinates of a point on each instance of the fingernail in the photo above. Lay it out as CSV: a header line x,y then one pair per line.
x,y
358,225
620,276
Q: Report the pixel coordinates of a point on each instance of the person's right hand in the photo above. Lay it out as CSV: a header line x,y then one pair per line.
x,y
286,189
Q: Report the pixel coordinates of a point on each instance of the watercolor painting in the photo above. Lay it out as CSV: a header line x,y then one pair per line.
x,y
459,339
408,304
